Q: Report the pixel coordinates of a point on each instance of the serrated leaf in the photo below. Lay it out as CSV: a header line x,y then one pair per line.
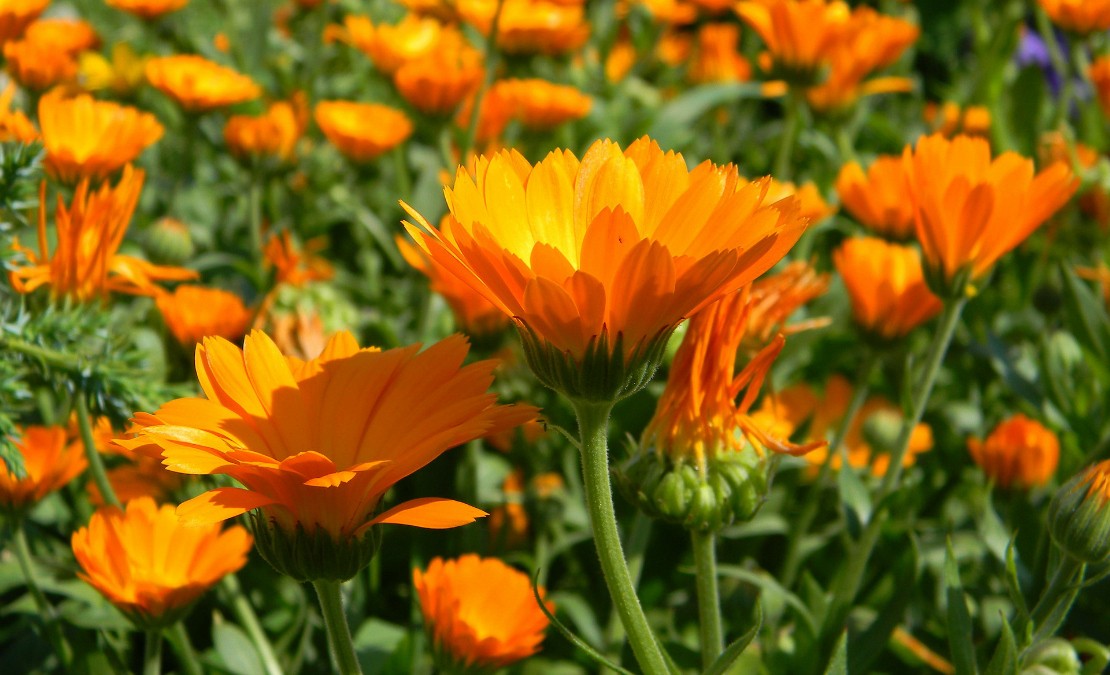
x,y
959,621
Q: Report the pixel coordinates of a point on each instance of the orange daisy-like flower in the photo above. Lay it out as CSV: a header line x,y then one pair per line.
x,y
887,286
391,46
438,82
84,265
1100,77
50,461
800,34
970,210
16,15
14,125
271,134
362,131
151,565
198,84
296,265
539,104
812,206
68,35
147,9
602,258
878,200
480,613
717,57
316,444
195,312
38,65
1079,16
1020,452
473,313
86,138
530,26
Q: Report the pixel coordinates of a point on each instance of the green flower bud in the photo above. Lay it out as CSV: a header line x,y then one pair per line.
x,y
168,242
1079,515
1054,656
312,556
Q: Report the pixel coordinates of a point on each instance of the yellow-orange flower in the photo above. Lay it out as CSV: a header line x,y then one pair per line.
x,y
67,35
271,134
886,285
878,200
608,253
473,313
316,444
152,566
123,73
970,210
1078,16
438,82
717,58
1100,77
812,206
84,265
14,125
38,65
391,46
775,297
800,34
195,312
669,12
50,461
539,104
147,9
16,15
1020,452
86,138
530,26
293,264
362,131
198,84
479,612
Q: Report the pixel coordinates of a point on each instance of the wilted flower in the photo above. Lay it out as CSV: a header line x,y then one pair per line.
x,y
16,15
391,46
195,312
317,466
1020,452
293,264
362,131
473,313
1078,16
801,35
530,26
775,297
480,613
271,134
437,82
50,461
152,566
886,285
878,200
198,84
717,58
599,260
539,104
122,74
1079,515
147,9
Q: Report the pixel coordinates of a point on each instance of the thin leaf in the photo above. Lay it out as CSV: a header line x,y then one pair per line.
x,y
868,646
1005,659
1092,326
569,635
854,497
677,117
769,585
734,650
1013,583
959,621
838,665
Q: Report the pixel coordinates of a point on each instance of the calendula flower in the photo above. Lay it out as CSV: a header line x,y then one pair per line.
x,y
438,82
886,285
14,125
50,461
949,119
86,138
38,65
1079,515
1100,77
195,312
775,297
878,200
1078,16
271,134
293,264
530,26
479,613
147,9
800,34
391,46
508,521
539,104
598,260
123,74
812,206
16,15
473,313
362,131
717,57
198,84
1020,452
970,210
152,566
84,265
138,476
317,466
72,36
666,12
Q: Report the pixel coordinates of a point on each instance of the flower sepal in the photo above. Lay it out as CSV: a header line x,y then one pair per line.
x,y
1079,515
312,556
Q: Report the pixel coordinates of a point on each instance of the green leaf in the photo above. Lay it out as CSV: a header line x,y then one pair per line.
x,y
770,586
854,497
1005,659
1087,315
1013,583
734,650
676,118
871,643
569,635
236,649
377,642
959,621
838,665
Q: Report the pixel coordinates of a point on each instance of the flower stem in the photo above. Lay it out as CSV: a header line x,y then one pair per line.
x,y
636,542
254,219
1057,591
246,616
709,599
96,464
335,623
53,631
781,171
186,655
404,182
593,426
490,57
1059,64
152,654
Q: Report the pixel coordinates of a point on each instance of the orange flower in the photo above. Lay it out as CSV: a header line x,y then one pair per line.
x,y
198,84
38,65
72,36
480,613
295,265
316,444
669,12
85,265
886,285
16,15
1020,452
602,258
969,211
508,522
774,298
147,9
717,58
362,131
530,26
539,104
49,462
800,34
1079,16
1100,77
86,138
14,125
948,119
473,313
438,82
195,312
271,134
812,206
878,200
391,46
444,10
150,565
124,73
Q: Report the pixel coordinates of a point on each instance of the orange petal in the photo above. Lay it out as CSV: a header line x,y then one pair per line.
x,y
432,513
220,504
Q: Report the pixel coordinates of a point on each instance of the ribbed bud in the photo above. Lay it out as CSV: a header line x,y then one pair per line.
x,y
168,242
312,556
1079,515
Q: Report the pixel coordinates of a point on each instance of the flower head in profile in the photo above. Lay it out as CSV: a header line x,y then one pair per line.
x,y
198,84
1078,16
38,65
530,26
362,131
152,566
195,312
1079,514
598,260
480,614
886,285
1020,452
123,72
718,59
437,82
473,313
272,134
316,444
87,138
85,264
800,35
16,15
390,46
878,199
949,119
538,104
147,9
50,460
970,209
71,36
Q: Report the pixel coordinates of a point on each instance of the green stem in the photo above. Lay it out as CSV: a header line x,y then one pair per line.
x,y
53,630
1057,591
792,120
254,219
844,144
709,597
249,620
490,58
50,357
636,545
335,623
152,654
593,425
186,655
96,464
404,182
1059,64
